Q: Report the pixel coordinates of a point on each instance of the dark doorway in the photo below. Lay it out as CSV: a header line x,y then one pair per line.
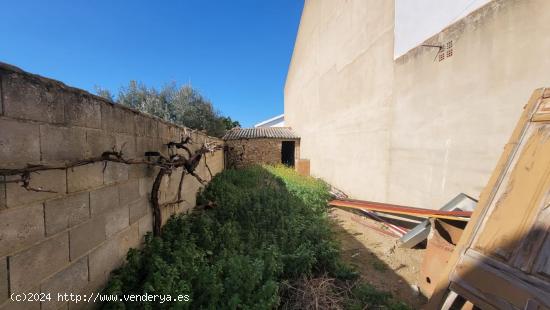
x,y
287,153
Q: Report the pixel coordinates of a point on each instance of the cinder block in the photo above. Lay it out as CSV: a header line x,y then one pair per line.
x,y
138,209
146,126
190,188
144,144
72,279
98,142
126,144
129,192
103,200
66,212
20,227
4,287
103,260
163,130
145,186
145,224
169,133
31,266
86,236
62,143
166,212
136,171
27,99
179,131
116,220
20,143
94,287
164,196
108,118
172,187
15,305
126,120
141,171
215,162
117,119
127,239
81,110
183,207
85,177
3,204
115,173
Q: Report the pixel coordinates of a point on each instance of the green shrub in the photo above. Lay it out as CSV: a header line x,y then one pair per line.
x,y
313,192
269,225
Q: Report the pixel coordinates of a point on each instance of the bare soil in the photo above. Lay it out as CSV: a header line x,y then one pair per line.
x,y
378,258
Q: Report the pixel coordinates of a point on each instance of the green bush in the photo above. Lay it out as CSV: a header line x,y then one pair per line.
x,y
313,192
269,225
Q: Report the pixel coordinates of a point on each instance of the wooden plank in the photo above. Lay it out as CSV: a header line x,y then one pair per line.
x,y
511,275
472,295
486,197
395,209
532,246
542,265
515,208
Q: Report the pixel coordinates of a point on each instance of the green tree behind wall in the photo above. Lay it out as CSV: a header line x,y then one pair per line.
x,y
181,105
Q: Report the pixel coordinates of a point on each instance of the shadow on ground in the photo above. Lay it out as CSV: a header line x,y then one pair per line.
x,y
375,255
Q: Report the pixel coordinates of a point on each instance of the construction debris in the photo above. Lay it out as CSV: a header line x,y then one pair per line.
x,y
461,202
441,244
396,229
396,209
502,261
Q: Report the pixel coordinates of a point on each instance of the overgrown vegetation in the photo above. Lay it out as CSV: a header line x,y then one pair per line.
x,y
267,230
180,105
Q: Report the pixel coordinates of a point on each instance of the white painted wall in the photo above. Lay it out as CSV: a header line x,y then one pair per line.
x,y
277,121
418,20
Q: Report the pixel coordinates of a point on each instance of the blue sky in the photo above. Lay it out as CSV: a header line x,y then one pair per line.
x,y
236,52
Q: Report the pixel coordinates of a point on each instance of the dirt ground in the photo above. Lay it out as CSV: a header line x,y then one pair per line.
x,y
376,256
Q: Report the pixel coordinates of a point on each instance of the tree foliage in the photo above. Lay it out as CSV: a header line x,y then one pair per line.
x,y
181,105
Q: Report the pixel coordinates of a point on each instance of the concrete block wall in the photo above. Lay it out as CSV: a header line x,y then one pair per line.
x,y
69,240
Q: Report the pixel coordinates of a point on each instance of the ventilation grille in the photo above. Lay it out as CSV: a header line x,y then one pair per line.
x,y
446,51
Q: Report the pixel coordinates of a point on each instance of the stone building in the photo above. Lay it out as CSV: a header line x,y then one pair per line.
x,y
261,145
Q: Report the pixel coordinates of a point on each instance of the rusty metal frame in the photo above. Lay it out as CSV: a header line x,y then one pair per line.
x,y
397,209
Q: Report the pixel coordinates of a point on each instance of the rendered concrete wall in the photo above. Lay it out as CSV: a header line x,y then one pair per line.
x,y
339,91
70,240
451,119
413,131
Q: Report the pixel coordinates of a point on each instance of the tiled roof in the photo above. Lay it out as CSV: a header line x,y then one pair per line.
x,y
260,132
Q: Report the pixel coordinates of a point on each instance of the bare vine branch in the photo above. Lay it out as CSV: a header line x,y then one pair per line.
x,y
166,165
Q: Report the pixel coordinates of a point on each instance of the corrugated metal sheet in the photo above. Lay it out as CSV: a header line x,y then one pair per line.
x,y
260,132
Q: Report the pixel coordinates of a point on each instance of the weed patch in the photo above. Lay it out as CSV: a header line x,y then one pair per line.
x,y
269,227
